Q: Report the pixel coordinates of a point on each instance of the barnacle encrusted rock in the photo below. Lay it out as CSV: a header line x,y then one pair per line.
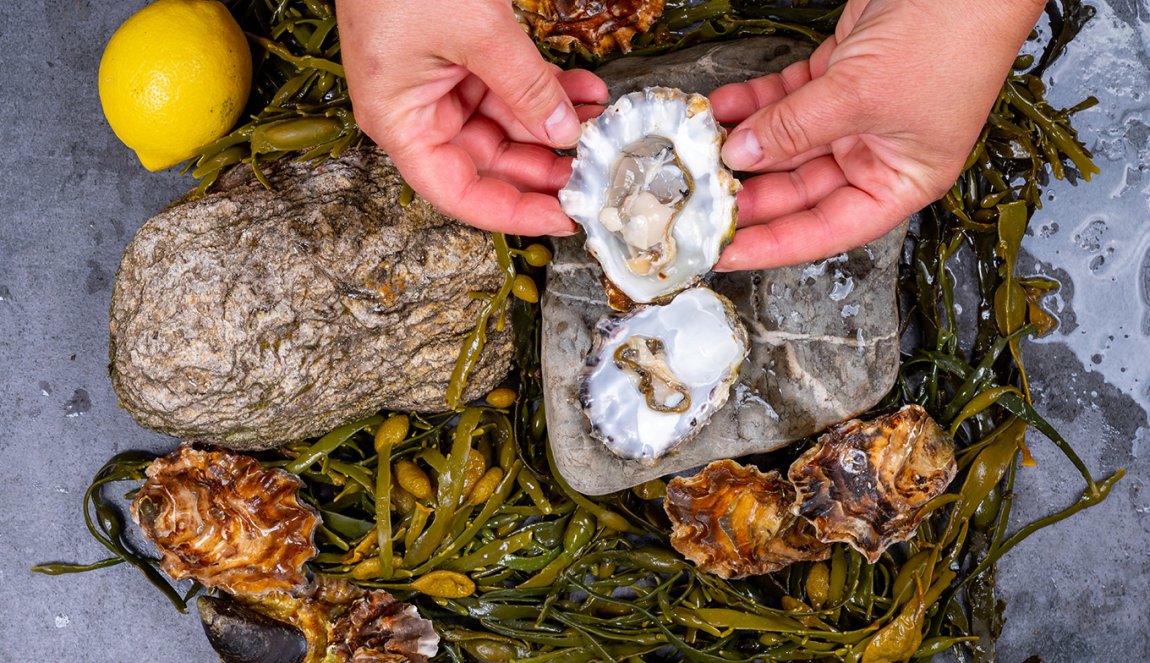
x,y
864,482
600,26
734,521
225,521
252,316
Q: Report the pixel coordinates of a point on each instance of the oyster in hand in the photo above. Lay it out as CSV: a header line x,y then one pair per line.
x,y
734,521
225,521
864,482
649,188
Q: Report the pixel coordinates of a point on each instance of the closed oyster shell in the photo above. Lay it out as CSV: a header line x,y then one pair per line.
x,y
343,623
597,25
225,521
379,629
864,482
734,521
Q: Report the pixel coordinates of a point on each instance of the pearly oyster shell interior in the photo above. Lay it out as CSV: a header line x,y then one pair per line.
x,y
649,188
657,374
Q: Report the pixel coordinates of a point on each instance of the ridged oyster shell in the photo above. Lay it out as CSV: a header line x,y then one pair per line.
x,y
597,25
225,521
685,205
734,521
689,352
865,482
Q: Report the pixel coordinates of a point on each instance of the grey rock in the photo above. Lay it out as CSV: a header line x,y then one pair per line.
x,y
255,316
824,335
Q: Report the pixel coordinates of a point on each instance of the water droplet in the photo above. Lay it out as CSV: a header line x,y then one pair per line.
x,y
5,294
79,404
1096,359
62,621
45,388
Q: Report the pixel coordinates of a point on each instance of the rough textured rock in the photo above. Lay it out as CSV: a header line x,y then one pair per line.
x,y
824,335
254,317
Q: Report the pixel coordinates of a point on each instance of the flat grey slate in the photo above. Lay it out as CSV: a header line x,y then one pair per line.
x,y
824,336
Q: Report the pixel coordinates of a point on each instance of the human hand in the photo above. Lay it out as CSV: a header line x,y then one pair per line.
x,y
874,126
458,96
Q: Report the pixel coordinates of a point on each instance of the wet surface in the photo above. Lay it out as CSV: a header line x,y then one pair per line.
x,y
71,194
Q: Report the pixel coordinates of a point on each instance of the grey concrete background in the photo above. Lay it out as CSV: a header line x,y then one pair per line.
x,y
71,197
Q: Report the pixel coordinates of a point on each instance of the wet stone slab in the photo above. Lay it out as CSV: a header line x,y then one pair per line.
x,y
824,335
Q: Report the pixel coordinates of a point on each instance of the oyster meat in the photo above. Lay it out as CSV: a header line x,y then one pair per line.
x,y
864,482
650,190
734,521
225,521
599,26
658,373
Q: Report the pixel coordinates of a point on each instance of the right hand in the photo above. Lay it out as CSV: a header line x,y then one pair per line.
x,y
458,96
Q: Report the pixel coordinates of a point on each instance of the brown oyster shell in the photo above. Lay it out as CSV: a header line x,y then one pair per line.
x,y
598,25
347,624
223,520
864,482
734,521
379,629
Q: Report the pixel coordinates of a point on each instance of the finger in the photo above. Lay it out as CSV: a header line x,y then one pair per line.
x,y
587,112
581,86
777,194
736,102
846,218
447,177
806,119
530,87
528,167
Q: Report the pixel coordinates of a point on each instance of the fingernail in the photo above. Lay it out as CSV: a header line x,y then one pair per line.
x,y
742,150
563,126
565,233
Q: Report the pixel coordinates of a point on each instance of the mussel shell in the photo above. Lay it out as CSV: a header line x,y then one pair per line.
x,y
241,635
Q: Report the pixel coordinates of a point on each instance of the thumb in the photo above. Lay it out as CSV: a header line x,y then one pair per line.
x,y
807,119
516,73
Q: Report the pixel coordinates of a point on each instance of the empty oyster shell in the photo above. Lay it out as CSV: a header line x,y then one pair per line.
x,y
864,482
657,374
222,519
734,521
649,188
597,25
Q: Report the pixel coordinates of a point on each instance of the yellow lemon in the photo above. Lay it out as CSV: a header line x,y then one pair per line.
x,y
175,77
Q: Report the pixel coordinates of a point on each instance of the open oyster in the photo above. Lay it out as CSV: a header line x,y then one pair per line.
x,y
597,25
657,374
734,521
223,520
865,481
650,190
